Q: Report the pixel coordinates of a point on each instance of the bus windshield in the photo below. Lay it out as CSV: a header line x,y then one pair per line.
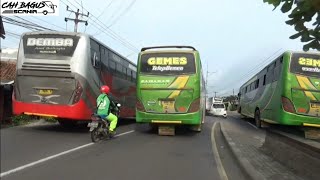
x,y
305,64
49,46
167,63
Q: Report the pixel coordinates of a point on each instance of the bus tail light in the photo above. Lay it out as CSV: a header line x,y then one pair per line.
x,y
78,93
195,106
140,106
287,105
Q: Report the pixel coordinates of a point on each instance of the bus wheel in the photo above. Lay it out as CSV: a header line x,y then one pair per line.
x,y
67,123
196,128
153,126
257,118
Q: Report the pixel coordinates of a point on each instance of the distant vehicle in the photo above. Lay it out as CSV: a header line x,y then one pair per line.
x,y
59,74
218,109
212,100
286,91
170,86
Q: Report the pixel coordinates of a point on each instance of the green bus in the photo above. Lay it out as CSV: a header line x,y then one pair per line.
x,y
170,86
286,91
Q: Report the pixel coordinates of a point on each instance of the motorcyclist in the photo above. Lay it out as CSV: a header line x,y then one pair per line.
x,y
103,108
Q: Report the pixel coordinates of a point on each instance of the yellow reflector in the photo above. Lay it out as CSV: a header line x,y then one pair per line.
x,y
38,114
311,125
166,122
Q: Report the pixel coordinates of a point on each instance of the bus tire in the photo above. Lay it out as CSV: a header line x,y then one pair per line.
x,y
257,118
196,128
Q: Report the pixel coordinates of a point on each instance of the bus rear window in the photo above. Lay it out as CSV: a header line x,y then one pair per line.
x,y
49,46
305,64
217,105
168,63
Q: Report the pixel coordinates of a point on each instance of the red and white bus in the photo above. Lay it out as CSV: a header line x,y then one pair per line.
x,y
59,75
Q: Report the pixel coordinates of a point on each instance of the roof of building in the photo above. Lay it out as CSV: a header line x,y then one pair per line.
x,y
7,71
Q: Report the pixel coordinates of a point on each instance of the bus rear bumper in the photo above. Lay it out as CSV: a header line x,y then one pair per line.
x,y
78,111
300,120
189,118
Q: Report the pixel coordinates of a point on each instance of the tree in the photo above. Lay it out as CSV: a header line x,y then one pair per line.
x,y
304,11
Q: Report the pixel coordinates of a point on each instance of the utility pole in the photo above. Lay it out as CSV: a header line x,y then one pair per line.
x,y
207,78
76,20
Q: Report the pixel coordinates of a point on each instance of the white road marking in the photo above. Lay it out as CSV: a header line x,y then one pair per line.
x,y
221,170
53,156
252,125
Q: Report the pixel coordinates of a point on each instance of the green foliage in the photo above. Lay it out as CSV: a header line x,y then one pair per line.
x,y
51,119
230,98
303,11
21,119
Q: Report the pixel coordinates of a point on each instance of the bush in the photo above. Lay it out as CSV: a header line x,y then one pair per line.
x,y
21,119
50,119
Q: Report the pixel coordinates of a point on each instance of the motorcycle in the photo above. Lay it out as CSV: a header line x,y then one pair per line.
x,y
99,127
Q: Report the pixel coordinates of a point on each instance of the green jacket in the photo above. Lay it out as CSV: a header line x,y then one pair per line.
x,y
103,104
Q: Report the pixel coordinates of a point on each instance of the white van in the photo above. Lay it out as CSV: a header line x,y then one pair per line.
x,y
218,109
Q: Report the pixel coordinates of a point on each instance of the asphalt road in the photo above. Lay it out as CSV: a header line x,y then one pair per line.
x,y
138,154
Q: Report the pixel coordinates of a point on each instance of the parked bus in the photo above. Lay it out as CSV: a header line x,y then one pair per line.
x,y
59,74
286,91
170,86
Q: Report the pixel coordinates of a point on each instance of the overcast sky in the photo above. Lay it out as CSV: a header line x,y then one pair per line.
x,y
235,38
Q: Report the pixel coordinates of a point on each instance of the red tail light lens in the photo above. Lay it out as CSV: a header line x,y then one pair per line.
x,y
78,93
287,105
140,106
195,106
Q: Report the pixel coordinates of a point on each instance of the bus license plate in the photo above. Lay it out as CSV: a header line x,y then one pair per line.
x,y
45,92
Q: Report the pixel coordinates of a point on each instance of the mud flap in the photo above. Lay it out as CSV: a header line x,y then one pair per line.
x,y
311,133
166,130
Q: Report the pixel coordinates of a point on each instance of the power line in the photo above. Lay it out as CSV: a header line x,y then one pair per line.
x,y
122,13
117,10
108,31
47,22
76,20
34,24
105,8
25,23
13,34
254,70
